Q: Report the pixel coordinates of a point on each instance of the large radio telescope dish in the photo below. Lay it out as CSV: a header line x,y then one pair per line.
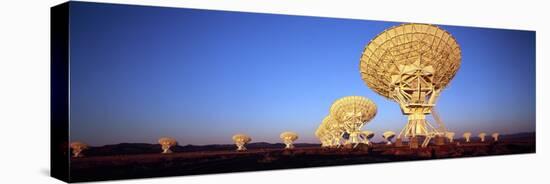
x,y
409,44
411,64
350,108
353,112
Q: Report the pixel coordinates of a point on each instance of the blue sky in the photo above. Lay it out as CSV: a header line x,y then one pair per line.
x,y
139,73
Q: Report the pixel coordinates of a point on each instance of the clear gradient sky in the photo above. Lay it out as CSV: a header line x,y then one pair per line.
x,y
139,73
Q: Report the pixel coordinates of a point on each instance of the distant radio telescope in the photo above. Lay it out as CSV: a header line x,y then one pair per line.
x,y
482,136
450,136
411,64
330,132
367,135
77,148
241,140
495,136
467,136
289,138
388,136
353,112
166,143
320,134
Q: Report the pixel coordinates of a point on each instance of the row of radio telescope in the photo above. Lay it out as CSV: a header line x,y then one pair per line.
x,y
166,143
288,139
349,114
335,138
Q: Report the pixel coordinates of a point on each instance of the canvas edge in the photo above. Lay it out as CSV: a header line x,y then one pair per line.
x,y
59,92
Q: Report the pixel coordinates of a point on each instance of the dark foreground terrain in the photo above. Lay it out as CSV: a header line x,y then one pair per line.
x,y
124,161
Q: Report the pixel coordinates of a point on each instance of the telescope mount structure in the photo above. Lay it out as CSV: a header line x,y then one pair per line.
x,y
411,64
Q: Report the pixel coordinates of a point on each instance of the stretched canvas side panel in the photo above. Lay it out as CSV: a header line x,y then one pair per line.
x,y
59,114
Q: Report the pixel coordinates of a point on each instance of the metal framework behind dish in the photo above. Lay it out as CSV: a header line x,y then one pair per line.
x,y
411,64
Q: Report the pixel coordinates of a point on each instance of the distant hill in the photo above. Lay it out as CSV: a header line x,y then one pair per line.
x,y
523,135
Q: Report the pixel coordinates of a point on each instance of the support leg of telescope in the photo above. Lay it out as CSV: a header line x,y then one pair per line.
x,y
426,141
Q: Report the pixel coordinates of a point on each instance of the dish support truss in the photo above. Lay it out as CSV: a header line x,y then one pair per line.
x,y
414,90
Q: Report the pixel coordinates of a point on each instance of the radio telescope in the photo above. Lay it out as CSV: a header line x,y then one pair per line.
x,y
288,138
388,136
330,132
482,136
77,148
166,143
241,140
323,138
495,136
366,136
411,64
450,136
320,136
353,112
467,136
323,135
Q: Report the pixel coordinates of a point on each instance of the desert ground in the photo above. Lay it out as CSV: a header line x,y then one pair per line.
x,y
125,161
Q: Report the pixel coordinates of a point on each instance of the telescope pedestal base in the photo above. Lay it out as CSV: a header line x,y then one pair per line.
x,y
439,140
413,142
398,142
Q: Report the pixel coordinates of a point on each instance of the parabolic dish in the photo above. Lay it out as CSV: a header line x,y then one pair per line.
x,y
241,136
403,45
329,122
293,135
388,134
353,106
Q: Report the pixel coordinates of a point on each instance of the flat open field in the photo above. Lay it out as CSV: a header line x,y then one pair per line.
x,y
219,161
